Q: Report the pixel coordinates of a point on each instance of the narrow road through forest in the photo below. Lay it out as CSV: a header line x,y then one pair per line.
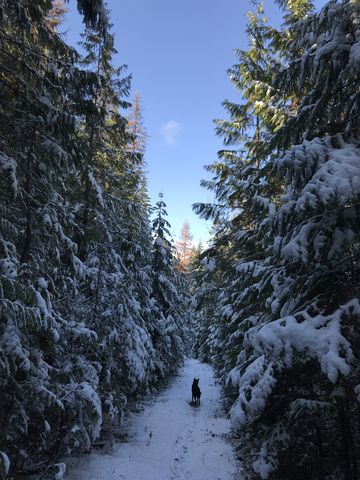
x,y
170,439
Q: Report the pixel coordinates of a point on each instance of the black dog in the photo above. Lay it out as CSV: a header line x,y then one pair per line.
x,y
195,390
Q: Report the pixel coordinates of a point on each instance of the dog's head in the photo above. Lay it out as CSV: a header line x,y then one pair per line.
x,y
196,381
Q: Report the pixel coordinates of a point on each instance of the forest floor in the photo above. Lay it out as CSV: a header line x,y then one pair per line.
x,y
170,439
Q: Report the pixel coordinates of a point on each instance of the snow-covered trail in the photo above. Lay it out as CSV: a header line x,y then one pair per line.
x,y
170,439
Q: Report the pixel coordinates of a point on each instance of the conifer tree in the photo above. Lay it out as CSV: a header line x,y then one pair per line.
x,y
244,186
137,146
169,290
77,310
184,246
37,132
138,135
282,257
55,16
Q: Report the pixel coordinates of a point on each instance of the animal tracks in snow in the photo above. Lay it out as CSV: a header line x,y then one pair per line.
x,y
169,439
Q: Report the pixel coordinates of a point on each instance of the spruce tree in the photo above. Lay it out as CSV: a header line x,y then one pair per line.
x,y
170,291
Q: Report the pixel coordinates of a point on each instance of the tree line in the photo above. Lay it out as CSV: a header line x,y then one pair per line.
x,y
92,308
93,304
278,289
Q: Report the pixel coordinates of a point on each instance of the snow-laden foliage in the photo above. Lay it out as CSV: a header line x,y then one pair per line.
x,y
283,297
82,327
170,291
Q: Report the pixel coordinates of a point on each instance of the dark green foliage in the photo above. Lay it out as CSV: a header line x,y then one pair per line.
x,y
170,291
284,296
81,324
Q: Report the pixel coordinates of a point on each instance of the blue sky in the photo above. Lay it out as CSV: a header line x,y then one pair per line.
x,y
178,53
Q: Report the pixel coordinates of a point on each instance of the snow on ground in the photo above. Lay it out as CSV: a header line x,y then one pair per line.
x,y
170,439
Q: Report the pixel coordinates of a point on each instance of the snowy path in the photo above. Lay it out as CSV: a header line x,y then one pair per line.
x,y
170,440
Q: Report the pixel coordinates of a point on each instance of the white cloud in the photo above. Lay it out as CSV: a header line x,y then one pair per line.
x,y
170,131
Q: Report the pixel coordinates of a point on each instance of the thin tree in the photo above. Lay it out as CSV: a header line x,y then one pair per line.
x,y
137,145
184,247
136,128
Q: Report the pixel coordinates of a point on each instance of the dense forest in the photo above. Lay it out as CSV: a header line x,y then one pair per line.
x,y
97,308
92,307
279,287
